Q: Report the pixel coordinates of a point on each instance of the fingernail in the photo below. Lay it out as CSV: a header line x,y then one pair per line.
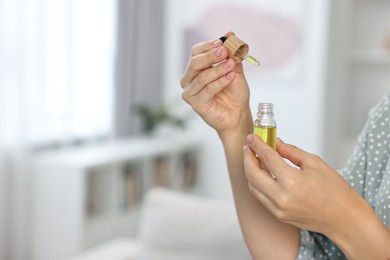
x,y
227,64
279,140
217,43
249,138
229,76
219,52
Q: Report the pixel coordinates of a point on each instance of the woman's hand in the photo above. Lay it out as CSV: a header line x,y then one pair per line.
x,y
216,88
313,196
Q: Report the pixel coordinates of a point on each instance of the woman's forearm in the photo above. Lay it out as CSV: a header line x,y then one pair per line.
x,y
266,237
215,87
362,235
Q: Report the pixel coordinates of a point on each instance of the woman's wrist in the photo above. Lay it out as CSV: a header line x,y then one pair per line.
x,y
244,127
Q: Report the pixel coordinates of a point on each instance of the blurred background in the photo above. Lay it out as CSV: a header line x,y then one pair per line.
x,y
92,124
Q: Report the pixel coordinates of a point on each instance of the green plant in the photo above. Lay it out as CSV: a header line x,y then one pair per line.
x,y
152,117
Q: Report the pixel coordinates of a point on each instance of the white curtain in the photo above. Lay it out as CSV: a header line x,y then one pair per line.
x,y
57,62
56,88
140,49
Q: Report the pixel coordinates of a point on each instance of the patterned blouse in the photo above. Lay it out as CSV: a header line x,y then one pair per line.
x,y
368,171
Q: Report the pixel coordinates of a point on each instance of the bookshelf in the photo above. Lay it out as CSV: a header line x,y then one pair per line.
x,y
85,196
357,76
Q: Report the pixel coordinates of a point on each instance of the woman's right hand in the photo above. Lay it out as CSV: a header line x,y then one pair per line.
x,y
218,93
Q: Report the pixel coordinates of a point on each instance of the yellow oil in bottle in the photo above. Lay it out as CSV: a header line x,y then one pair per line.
x,y
267,134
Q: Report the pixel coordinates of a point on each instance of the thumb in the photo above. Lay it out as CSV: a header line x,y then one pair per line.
x,y
239,68
294,154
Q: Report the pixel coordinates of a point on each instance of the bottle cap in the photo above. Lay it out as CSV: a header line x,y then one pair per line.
x,y
237,49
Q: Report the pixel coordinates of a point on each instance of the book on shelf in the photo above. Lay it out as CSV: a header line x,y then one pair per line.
x,y
132,186
189,169
162,172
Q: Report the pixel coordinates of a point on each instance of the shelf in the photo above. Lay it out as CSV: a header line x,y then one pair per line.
x,y
115,151
370,57
100,187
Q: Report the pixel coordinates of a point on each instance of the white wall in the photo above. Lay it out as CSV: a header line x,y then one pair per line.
x,y
358,72
298,104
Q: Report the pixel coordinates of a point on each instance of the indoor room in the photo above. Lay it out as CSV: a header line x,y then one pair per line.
x,y
106,154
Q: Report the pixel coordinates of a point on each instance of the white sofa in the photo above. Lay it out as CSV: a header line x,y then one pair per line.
x,y
174,226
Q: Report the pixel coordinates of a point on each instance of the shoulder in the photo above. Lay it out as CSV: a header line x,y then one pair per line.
x,y
381,112
378,121
377,134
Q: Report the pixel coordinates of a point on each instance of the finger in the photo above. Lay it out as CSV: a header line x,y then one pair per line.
x,y
208,46
295,155
205,47
239,68
203,61
208,76
228,34
209,92
264,167
267,155
267,202
259,178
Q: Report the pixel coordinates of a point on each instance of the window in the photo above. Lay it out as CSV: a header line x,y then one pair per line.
x,y
58,68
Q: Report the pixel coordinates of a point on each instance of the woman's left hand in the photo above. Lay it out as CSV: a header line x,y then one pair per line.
x,y
314,197
310,196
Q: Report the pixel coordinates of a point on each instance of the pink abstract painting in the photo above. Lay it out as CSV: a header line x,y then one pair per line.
x,y
274,38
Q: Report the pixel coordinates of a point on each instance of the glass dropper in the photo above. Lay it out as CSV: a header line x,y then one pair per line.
x,y
252,60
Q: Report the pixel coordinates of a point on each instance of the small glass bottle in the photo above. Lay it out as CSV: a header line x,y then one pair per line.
x,y
265,124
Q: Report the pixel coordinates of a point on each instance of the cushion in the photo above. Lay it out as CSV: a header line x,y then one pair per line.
x,y
175,225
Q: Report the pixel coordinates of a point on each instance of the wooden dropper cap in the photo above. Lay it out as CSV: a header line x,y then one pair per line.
x,y
237,49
